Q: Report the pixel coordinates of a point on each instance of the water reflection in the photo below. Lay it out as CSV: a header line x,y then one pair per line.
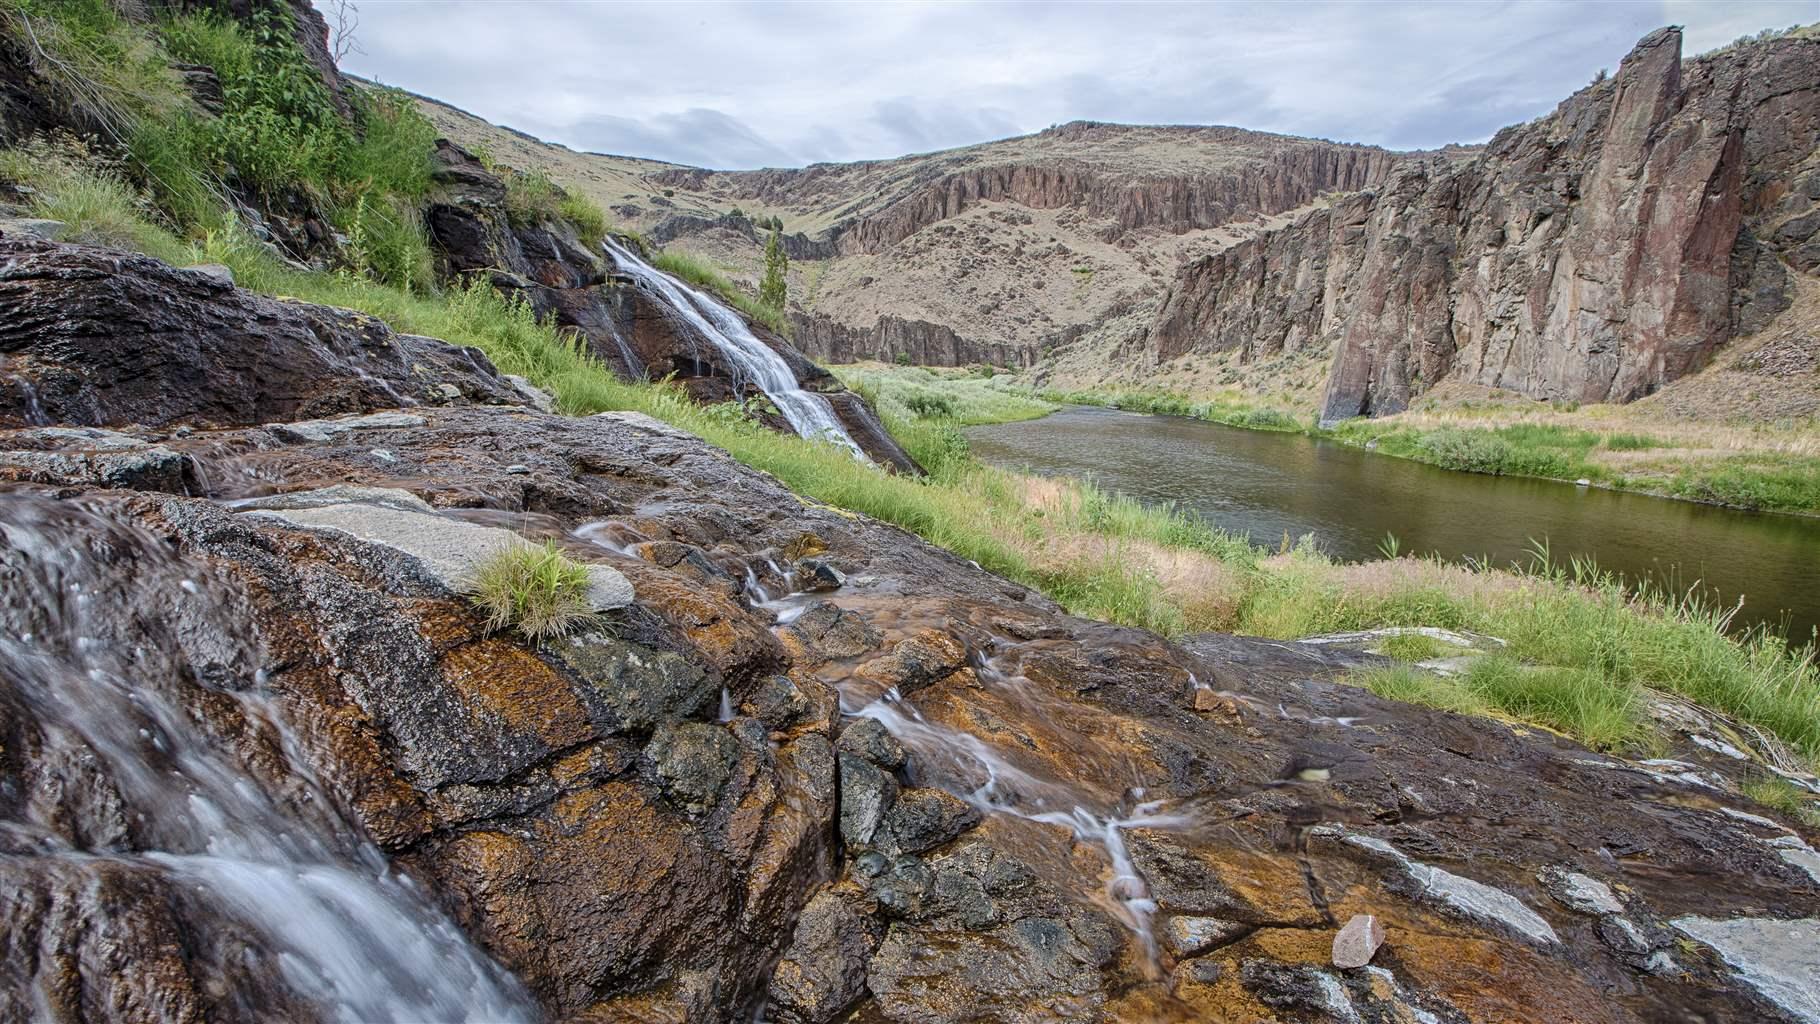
x,y
1273,485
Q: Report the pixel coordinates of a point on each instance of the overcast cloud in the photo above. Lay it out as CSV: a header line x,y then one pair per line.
x,y
750,85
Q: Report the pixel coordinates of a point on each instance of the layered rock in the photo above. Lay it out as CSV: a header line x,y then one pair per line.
x,y
665,816
95,337
1595,254
894,339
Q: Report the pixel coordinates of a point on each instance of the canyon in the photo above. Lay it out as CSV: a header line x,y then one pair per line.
x,y
1655,220
264,753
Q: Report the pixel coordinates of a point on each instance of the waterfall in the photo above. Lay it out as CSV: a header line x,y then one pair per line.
x,y
126,655
752,360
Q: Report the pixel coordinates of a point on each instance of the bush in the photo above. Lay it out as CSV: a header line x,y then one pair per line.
x,y
589,220
533,588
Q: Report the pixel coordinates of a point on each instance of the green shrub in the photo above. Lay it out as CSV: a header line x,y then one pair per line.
x,y
533,588
589,220
1412,647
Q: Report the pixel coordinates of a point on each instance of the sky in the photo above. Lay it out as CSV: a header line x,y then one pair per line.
x,y
742,85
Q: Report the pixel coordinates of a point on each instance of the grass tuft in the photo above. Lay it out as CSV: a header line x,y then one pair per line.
x,y
533,588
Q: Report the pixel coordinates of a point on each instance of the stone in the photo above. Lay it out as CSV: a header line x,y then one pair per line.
x,y
632,689
33,227
923,818
833,632
1578,892
1355,944
1778,958
219,273
779,702
823,972
1464,895
533,395
818,576
868,738
866,796
322,431
338,494
1187,935
96,337
450,550
694,761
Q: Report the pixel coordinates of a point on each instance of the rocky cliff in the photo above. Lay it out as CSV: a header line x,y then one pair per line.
x,y
1593,255
985,253
261,759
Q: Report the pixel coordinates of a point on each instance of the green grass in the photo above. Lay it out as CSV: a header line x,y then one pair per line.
x,y
702,274
1575,702
1784,796
534,589
1232,411
1412,648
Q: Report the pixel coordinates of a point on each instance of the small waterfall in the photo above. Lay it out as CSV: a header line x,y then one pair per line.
x,y
809,414
128,656
968,767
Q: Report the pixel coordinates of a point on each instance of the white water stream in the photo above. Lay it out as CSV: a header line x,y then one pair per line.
x,y
809,414
346,933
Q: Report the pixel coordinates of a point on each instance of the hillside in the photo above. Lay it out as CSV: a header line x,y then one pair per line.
x,y
996,252
1572,259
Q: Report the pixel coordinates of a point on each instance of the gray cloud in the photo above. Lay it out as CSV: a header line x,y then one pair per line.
x,y
755,84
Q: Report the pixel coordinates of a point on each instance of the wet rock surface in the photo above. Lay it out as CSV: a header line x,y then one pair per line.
x,y
923,794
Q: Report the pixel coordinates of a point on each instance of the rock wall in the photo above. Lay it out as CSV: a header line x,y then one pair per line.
x,y
924,343
1595,254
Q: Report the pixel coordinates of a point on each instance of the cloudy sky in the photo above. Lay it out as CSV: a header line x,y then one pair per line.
x,y
736,85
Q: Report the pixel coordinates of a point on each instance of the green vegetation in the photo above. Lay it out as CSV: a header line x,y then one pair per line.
x,y
1783,795
532,199
774,287
1412,648
533,588
705,275
1232,411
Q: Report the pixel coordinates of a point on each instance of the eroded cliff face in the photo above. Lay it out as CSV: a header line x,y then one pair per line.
x,y
1593,255
260,758
918,341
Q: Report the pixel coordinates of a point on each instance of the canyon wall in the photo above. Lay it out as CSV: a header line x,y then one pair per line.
x,y
1593,255
920,342
1289,177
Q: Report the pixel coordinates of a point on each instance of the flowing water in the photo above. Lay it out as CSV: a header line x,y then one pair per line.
x,y
128,658
1271,485
751,360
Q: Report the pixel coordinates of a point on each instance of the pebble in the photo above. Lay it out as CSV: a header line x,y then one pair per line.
x,y
1355,944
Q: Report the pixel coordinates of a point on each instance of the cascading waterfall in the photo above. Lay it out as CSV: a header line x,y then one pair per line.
x,y
809,414
127,656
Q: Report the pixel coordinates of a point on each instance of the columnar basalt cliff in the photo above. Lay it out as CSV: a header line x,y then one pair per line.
x,y
1595,254
895,339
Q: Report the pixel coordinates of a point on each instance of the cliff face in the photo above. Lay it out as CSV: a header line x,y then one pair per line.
x,y
1595,254
1175,203
921,342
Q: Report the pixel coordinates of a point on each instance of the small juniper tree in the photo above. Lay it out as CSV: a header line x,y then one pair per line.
x,y
773,289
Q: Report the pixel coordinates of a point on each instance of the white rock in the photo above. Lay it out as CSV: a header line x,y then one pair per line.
x,y
449,549
1355,944
1780,959
1583,893
1469,897
325,430
1189,936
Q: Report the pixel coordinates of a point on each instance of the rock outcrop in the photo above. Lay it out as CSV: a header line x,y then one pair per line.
x,y
1594,255
633,329
895,339
815,764
95,337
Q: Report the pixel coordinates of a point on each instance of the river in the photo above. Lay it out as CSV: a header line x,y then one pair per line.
x,y
1266,485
